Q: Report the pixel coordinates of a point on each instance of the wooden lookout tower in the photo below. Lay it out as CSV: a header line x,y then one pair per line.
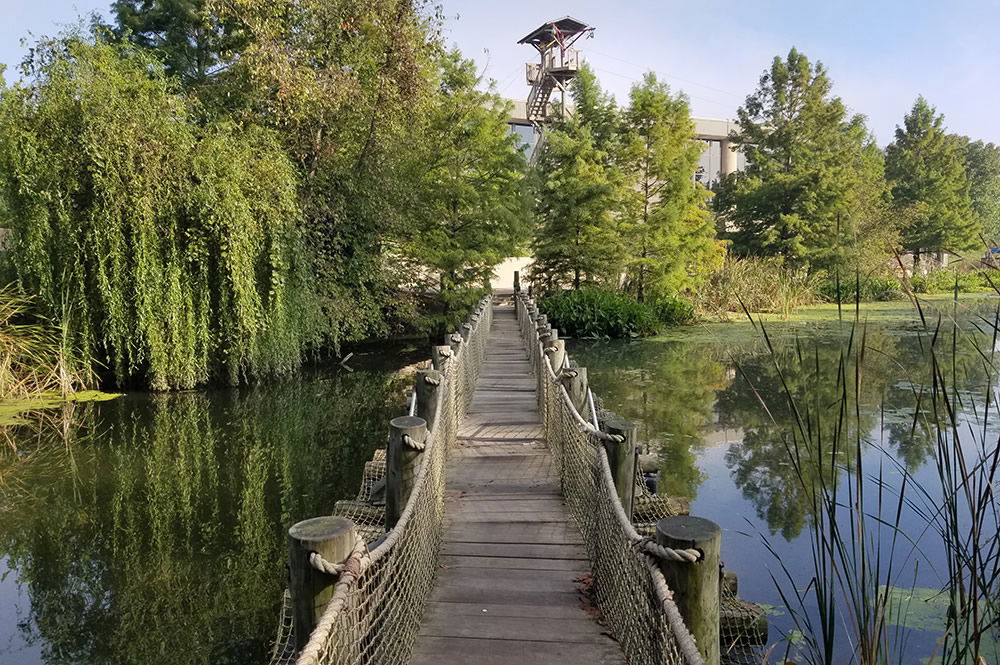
x,y
559,64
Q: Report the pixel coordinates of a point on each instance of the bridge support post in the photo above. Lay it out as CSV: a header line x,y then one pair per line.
x,y
517,281
575,380
622,456
454,340
331,537
406,435
428,395
695,585
440,356
557,354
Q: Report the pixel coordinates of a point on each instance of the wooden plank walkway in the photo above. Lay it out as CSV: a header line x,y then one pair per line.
x,y
513,561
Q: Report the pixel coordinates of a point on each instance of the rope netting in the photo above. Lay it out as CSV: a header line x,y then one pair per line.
x,y
378,601
627,583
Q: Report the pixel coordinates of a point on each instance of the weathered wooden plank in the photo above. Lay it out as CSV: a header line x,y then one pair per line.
x,y
439,622
461,651
550,533
578,566
516,550
512,558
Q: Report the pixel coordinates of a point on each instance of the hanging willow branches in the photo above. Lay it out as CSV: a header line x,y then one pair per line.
x,y
170,246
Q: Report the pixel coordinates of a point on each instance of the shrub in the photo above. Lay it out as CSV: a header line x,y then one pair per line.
x,y
943,281
673,311
592,312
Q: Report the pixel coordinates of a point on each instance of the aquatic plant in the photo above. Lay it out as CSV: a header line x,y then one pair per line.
x,y
860,587
36,357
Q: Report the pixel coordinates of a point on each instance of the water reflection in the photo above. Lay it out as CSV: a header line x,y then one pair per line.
x,y
154,531
728,380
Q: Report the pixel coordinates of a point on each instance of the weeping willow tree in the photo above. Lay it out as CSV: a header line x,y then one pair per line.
x,y
167,247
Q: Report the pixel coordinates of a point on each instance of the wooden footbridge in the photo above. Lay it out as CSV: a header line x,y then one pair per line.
x,y
502,525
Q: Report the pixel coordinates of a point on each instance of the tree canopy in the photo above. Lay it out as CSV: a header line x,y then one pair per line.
x,y
925,169
669,232
167,247
813,174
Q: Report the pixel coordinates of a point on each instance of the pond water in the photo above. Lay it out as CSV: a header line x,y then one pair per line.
x,y
711,401
151,528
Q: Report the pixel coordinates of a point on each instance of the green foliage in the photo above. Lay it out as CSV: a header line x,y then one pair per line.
x,y
343,83
813,190
852,289
576,241
592,312
35,359
469,205
190,40
668,231
925,169
757,285
168,247
673,310
946,281
982,168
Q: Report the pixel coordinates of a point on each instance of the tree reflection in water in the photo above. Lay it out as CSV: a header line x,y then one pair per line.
x,y
681,390
154,531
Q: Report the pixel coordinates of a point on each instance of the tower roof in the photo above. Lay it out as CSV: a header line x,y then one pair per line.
x,y
562,31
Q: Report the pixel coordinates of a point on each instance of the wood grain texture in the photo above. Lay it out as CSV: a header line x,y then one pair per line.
x,y
513,562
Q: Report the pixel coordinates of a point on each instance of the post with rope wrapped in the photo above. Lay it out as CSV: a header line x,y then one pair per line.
x,y
313,543
622,455
428,395
575,381
439,356
407,435
556,352
695,584
517,281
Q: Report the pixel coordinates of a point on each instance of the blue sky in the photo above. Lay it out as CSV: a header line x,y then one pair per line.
x,y
881,54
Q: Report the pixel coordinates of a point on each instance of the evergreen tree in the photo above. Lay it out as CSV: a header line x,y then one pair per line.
x,y
669,233
580,190
191,41
929,184
577,239
596,110
813,176
470,210
982,168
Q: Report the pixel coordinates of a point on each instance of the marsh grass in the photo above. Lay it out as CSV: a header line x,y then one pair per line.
x,y
37,358
849,609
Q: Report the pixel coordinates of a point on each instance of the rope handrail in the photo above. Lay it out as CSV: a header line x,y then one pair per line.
x,y
373,614
626,563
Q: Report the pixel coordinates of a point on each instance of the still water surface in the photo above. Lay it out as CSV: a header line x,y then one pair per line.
x,y
150,529
711,402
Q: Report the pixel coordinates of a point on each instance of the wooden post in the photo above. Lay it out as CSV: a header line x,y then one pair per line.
x,y
695,585
622,456
401,461
439,357
466,329
331,537
517,281
454,340
557,354
428,395
575,380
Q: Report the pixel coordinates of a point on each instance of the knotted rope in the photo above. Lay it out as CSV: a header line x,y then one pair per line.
x,y
651,547
350,564
413,444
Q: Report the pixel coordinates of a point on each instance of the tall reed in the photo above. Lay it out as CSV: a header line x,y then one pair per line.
x,y
36,356
847,610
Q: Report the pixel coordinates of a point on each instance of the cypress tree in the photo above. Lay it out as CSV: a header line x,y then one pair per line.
x,y
929,185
